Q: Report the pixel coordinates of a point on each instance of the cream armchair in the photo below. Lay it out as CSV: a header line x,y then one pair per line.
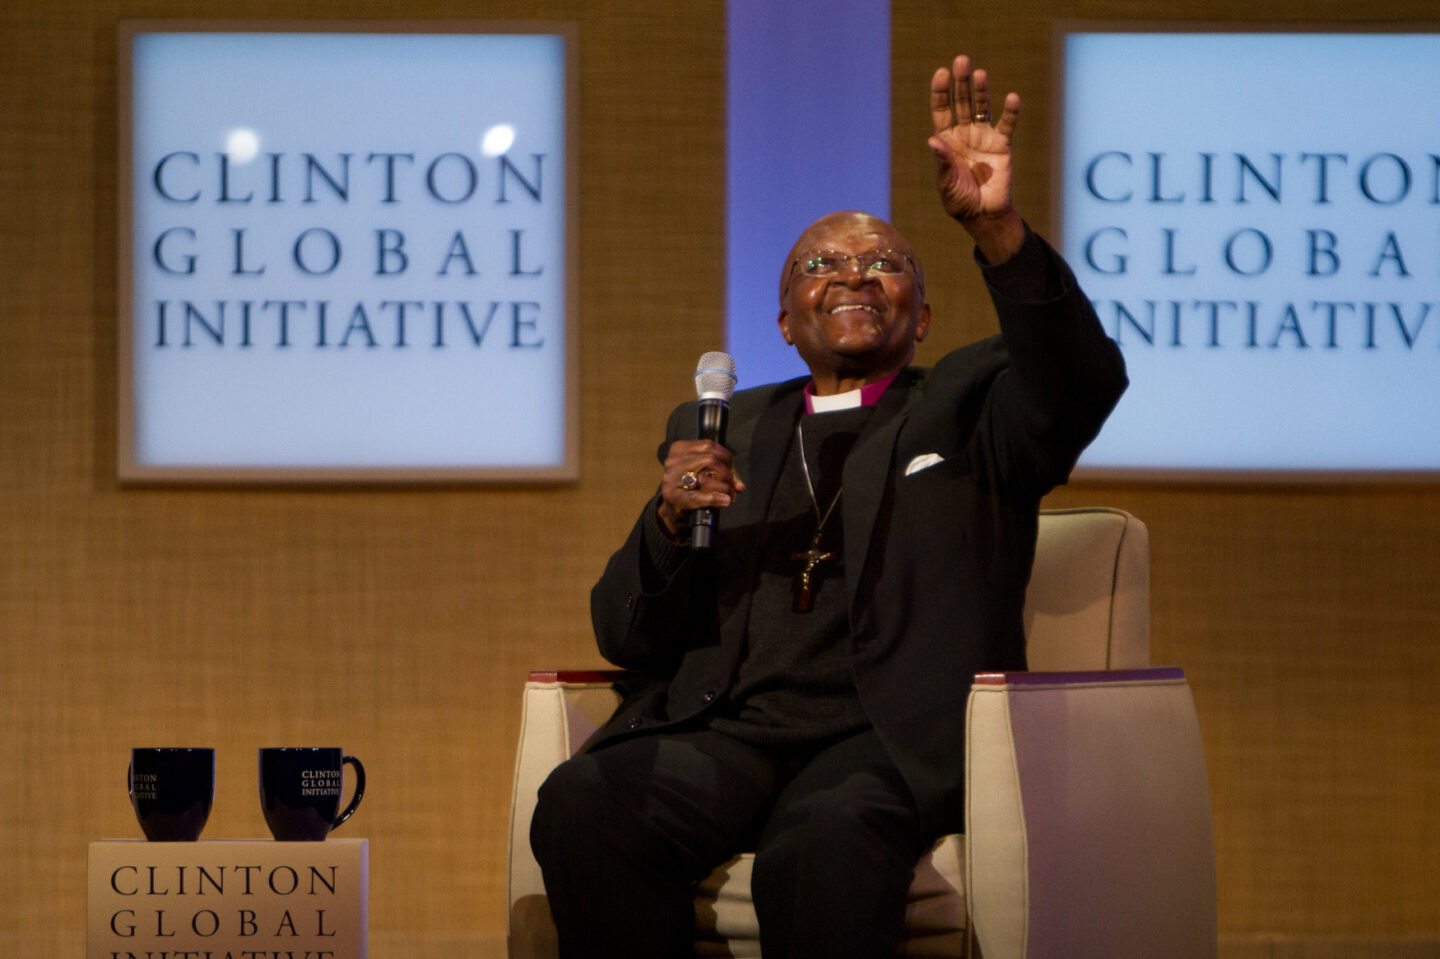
x,y
1088,827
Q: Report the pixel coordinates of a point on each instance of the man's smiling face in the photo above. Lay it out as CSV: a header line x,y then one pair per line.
x,y
854,325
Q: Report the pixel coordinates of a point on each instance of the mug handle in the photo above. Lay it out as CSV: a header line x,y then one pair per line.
x,y
359,792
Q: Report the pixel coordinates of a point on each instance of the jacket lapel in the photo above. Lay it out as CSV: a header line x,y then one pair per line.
x,y
761,440
867,471
760,435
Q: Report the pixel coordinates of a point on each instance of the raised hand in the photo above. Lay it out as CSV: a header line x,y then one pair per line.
x,y
973,156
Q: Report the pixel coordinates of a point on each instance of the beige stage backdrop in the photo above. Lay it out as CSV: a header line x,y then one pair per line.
x,y
399,623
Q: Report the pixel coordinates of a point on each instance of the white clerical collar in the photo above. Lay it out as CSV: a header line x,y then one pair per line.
x,y
865,396
836,401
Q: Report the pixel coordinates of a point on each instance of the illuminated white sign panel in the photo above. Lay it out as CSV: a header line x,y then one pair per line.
x,y
346,254
1257,218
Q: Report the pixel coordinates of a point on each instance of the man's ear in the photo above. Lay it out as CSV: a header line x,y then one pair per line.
x,y
784,321
922,323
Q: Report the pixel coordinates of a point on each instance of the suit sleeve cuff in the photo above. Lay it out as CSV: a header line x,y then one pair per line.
x,y
1032,275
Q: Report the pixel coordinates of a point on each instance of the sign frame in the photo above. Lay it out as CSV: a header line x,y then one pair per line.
x,y
132,469
1159,472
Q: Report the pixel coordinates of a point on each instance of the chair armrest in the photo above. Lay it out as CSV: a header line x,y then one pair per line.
x,y
577,678
1088,816
559,711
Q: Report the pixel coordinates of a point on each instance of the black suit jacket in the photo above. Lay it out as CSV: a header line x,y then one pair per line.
x,y
936,557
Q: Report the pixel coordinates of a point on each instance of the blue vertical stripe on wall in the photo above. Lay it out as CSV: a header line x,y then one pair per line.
x,y
808,130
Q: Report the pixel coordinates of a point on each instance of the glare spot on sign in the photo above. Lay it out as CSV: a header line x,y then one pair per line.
x,y
497,140
242,145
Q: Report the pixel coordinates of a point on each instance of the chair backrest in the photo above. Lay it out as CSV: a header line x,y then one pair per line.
x,y
1088,604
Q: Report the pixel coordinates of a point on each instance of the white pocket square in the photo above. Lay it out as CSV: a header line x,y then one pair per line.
x,y
923,461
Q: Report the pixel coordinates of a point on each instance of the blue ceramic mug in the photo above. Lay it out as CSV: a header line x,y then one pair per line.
x,y
301,788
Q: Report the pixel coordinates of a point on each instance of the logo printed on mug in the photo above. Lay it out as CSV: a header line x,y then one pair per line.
x,y
300,790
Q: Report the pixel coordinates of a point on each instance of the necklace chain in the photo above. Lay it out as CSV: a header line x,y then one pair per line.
x,y
810,487
813,556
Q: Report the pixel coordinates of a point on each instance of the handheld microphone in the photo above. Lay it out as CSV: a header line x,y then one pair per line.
x,y
714,385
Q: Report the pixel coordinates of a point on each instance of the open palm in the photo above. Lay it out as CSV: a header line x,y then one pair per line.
x,y
973,174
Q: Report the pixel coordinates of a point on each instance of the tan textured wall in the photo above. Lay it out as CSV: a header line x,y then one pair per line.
x,y
400,623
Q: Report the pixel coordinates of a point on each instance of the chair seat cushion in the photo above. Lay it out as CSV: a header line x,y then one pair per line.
x,y
725,923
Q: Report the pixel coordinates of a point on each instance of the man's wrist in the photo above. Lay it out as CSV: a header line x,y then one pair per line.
x,y
670,522
667,550
998,236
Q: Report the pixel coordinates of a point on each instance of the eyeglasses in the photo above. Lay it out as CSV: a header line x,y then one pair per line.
x,y
823,263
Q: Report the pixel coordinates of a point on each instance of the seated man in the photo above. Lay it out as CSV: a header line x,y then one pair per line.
x,y
800,686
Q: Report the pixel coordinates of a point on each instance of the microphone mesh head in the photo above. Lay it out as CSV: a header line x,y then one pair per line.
x,y
715,376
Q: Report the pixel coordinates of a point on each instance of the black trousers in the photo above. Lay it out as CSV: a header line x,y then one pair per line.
x,y
623,834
